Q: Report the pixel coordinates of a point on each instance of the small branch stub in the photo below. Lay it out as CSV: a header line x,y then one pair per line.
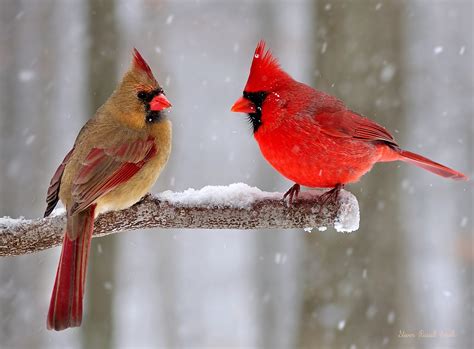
x,y
236,206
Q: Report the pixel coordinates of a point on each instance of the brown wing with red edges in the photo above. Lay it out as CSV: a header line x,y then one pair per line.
x,y
52,197
348,124
104,169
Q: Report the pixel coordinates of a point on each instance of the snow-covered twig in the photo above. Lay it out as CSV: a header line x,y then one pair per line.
x,y
236,206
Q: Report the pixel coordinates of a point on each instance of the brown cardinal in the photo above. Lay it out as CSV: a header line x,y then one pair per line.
x,y
116,158
312,138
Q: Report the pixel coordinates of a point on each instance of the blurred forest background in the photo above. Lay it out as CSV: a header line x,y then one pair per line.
x,y
405,64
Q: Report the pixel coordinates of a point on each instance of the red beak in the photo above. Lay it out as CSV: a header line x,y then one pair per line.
x,y
243,105
159,102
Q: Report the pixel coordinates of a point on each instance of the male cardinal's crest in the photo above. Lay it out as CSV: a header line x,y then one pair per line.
x,y
264,71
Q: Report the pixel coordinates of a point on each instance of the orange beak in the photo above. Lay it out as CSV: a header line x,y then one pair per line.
x,y
159,102
243,105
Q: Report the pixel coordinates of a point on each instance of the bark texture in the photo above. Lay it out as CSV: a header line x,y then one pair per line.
x,y
22,236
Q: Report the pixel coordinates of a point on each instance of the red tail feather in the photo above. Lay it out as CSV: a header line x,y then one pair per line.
x,y
430,165
65,309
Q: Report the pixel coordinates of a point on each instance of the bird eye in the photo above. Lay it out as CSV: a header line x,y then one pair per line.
x,y
142,95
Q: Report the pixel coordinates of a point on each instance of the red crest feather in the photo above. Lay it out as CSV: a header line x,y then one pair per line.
x,y
141,64
265,69
264,60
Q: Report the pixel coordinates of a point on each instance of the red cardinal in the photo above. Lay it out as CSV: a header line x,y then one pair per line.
x,y
311,137
117,157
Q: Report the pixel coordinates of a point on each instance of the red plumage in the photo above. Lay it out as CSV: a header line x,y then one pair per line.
x,y
65,309
311,137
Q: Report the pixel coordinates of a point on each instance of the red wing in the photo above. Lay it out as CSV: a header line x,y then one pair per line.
x,y
104,169
348,124
54,185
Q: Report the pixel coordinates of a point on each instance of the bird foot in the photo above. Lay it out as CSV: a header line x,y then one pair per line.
x,y
292,194
146,197
330,196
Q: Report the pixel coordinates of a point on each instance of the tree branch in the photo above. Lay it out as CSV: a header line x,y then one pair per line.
x,y
237,206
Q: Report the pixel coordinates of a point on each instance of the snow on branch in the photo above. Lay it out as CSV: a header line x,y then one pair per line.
x,y
236,206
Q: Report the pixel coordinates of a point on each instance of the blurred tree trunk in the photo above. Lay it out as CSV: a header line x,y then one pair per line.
x,y
278,253
8,268
266,242
8,9
439,94
22,68
350,293
146,286
99,317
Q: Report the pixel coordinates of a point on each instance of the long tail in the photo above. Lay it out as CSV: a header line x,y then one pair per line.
x,y
430,165
65,309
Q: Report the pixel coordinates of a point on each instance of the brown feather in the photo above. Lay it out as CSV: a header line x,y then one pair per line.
x,y
116,159
52,197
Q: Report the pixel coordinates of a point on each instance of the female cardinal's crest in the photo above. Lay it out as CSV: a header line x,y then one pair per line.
x,y
141,64
264,71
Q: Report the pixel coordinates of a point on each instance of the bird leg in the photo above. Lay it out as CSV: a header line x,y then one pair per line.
x,y
292,194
